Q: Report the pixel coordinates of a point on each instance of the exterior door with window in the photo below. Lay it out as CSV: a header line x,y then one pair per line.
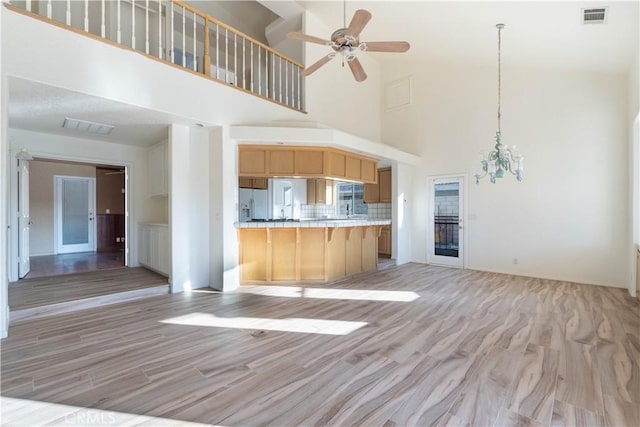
x,y
24,220
446,227
75,203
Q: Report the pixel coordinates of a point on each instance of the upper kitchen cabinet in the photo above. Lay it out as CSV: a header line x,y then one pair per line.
x,y
316,162
158,172
252,161
319,191
254,183
380,192
309,162
384,181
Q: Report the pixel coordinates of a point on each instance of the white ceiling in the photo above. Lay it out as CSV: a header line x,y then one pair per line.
x,y
541,34
42,108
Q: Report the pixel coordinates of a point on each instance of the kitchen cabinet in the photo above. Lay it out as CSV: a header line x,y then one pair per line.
x,y
153,247
158,170
309,162
318,162
384,241
319,191
384,181
380,192
254,183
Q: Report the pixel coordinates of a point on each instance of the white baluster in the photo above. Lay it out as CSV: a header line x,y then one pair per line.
x,y
273,76
218,51
280,80
235,58
146,27
172,52
184,37
86,15
103,26
49,9
28,5
244,65
259,70
266,69
68,12
226,55
251,68
118,30
160,29
133,24
299,89
286,82
195,38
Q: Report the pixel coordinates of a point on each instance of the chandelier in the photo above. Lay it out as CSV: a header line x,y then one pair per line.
x,y
503,159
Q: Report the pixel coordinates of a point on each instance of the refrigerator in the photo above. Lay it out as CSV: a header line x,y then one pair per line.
x,y
253,204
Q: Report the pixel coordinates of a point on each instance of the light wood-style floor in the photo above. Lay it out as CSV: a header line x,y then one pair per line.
x,y
410,345
27,293
55,265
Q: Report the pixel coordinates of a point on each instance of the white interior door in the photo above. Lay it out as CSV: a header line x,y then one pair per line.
x,y
24,220
446,233
75,219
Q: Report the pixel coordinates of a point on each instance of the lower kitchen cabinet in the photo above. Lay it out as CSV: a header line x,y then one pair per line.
x,y
384,241
153,247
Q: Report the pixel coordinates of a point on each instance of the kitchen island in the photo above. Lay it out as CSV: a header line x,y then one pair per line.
x,y
307,251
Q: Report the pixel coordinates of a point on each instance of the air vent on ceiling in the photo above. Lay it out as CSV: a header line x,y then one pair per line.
x,y
594,15
85,126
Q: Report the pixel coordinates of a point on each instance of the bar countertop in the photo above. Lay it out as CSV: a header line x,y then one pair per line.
x,y
315,223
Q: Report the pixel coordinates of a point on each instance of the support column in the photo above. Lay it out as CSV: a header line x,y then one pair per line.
x,y
402,194
179,208
4,196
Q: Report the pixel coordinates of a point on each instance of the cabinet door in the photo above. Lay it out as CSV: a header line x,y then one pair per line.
x,y
281,162
252,161
336,164
321,191
371,193
245,182
311,191
368,171
353,167
163,262
260,183
144,241
384,181
309,162
384,241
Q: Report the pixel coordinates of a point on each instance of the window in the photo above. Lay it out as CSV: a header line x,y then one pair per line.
x,y
350,199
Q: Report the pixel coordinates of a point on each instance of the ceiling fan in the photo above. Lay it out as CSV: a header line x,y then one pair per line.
x,y
346,42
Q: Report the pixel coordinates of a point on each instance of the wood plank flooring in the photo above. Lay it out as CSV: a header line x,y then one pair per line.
x,y
410,345
28,293
55,265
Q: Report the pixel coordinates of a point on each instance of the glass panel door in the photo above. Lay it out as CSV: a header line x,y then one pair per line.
x,y
446,222
75,206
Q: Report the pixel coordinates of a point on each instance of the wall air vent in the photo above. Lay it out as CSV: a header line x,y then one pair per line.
x,y
88,127
594,15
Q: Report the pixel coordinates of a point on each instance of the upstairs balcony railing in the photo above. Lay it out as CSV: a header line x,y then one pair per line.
x,y
180,34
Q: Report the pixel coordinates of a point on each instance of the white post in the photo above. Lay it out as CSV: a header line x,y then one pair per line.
x,y
286,82
299,89
133,24
28,5
49,10
259,70
280,80
146,27
217,51
184,38
244,65
68,12
118,31
252,76
86,15
160,29
226,55
195,37
235,57
172,48
103,26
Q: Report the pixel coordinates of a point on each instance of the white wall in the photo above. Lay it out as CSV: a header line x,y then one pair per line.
x,y
567,220
48,146
333,96
634,165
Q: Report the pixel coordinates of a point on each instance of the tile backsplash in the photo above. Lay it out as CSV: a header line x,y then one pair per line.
x,y
374,210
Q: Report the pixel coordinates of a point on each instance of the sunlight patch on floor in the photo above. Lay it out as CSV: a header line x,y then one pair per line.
x,y
23,412
328,293
309,326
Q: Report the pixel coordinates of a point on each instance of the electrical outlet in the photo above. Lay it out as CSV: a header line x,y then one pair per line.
x,y
117,240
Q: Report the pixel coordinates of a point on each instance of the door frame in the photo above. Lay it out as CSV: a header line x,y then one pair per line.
x,y
57,218
462,252
11,260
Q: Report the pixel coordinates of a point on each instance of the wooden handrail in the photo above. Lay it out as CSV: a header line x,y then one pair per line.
x,y
235,30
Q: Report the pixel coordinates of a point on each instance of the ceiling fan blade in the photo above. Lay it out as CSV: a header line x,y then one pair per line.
x,y
357,70
358,22
307,38
387,46
312,68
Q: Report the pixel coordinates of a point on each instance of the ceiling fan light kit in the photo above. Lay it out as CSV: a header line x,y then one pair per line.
x,y
346,43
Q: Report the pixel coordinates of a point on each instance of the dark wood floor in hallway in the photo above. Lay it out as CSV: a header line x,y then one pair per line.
x,y
409,345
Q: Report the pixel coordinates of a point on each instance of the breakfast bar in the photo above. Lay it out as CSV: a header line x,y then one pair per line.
x,y
318,251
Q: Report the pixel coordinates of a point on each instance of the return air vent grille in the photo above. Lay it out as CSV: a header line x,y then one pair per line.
x,y
88,127
594,15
